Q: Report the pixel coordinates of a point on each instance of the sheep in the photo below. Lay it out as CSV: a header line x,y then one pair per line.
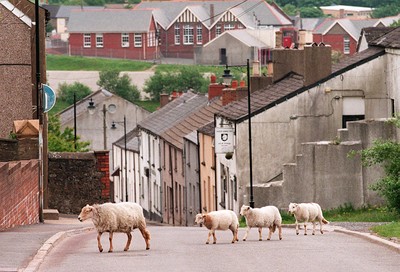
x,y
307,212
219,220
120,217
268,216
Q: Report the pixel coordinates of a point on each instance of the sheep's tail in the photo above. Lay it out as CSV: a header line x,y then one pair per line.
x,y
325,221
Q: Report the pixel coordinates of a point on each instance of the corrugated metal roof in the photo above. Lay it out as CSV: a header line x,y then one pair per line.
x,y
174,112
109,21
197,119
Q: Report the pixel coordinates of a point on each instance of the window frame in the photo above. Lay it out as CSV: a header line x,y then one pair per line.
x,y
346,45
177,34
188,35
87,40
125,40
137,40
199,34
99,40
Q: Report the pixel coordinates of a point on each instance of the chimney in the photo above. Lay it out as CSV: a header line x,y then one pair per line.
x,y
313,63
278,39
341,13
164,99
214,89
302,38
212,14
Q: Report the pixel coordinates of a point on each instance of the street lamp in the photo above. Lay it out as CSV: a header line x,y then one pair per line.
x,y
227,78
111,108
113,126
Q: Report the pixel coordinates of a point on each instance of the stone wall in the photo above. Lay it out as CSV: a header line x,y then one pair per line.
x,y
77,179
19,193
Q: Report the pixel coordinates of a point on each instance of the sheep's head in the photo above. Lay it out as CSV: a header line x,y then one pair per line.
x,y
244,210
293,207
199,218
86,213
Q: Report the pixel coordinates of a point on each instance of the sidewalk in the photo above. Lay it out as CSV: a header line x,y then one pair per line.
x,y
23,248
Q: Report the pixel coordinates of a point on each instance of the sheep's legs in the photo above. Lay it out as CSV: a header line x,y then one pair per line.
x,y
128,243
305,227
98,241
247,232
260,234
297,227
111,244
235,235
211,232
280,232
146,236
313,229
320,224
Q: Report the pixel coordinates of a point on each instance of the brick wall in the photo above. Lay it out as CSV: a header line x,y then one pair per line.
x,y
21,149
77,179
19,193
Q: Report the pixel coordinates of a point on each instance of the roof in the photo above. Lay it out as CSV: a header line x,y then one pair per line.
x,y
65,11
109,21
352,27
344,7
371,33
199,118
245,37
208,129
388,40
53,9
172,113
250,12
291,86
132,140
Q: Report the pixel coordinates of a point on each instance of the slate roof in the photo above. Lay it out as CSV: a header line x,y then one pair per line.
x,y
208,129
244,10
175,134
290,86
109,21
53,9
65,11
174,112
353,27
389,40
132,141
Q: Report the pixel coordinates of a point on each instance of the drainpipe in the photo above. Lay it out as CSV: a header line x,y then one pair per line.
x,y
198,173
215,172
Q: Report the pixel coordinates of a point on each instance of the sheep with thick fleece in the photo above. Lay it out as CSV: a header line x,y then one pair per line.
x,y
219,220
268,216
307,212
121,217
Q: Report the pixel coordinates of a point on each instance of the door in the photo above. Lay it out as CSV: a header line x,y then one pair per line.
x,y
223,60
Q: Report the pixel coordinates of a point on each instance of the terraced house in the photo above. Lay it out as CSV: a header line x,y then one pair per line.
x,y
165,28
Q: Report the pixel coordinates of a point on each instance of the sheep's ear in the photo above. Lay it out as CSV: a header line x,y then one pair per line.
x,y
204,216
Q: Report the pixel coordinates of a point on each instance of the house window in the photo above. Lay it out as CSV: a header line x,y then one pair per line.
x,y
199,33
86,40
99,40
218,31
152,39
125,40
188,34
177,35
346,45
138,40
229,27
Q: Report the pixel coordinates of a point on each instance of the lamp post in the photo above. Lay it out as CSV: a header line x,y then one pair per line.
x,y
74,121
91,109
113,126
227,78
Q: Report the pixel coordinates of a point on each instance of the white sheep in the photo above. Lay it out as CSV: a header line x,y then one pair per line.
x,y
307,212
219,220
120,217
268,216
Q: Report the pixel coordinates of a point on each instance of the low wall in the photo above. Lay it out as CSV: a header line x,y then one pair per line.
x,y
21,149
19,193
77,179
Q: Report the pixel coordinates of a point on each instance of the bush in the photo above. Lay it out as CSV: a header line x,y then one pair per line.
x,y
66,92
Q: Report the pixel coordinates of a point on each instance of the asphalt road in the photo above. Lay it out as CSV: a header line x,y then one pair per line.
x,y
184,249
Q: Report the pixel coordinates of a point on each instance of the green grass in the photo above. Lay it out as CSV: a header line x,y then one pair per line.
x,y
67,63
388,230
151,106
59,106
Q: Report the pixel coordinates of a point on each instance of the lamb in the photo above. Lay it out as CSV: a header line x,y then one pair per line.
x,y
307,212
120,217
219,220
268,216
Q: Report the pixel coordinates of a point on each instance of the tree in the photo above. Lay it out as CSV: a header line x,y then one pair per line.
x,y
66,92
311,12
385,11
387,154
182,80
111,81
63,141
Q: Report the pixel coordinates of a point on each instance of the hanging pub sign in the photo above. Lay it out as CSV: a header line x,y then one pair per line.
x,y
223,140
